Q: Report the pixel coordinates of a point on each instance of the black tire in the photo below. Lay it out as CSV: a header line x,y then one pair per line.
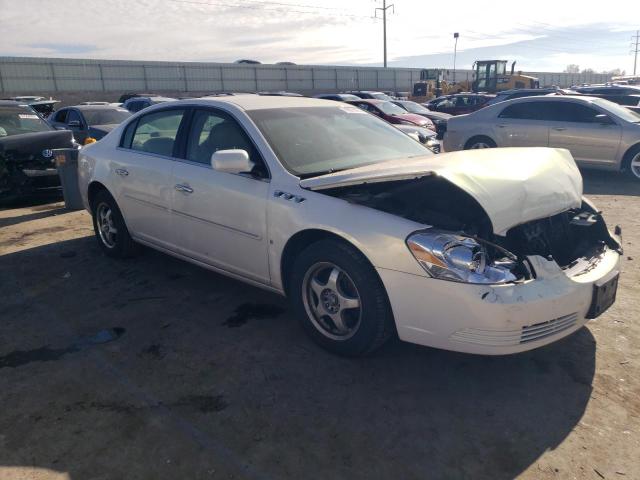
x,y
375,324
631,154
480,139
122,245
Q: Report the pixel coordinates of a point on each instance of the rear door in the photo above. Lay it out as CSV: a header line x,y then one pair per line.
x,y
142,175
588,133
522,125
221,218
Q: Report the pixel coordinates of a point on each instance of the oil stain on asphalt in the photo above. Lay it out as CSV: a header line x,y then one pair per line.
x,y
248,311
19,358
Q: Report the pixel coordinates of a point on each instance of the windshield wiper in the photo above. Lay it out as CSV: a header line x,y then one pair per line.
x,y
322,172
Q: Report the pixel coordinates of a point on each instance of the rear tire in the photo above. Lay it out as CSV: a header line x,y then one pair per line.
x,y
631,165
479,142
339,299
110,229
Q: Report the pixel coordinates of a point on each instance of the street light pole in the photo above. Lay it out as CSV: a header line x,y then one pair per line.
x,y
455,52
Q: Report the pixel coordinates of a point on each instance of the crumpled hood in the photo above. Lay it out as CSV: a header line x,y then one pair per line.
x,y
512,185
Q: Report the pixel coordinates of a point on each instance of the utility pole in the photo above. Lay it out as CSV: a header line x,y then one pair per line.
x,y
384,26
455,52
635,52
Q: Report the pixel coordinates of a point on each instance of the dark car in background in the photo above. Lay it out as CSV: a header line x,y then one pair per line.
x,y
522,92
338,97
43,106
137,103
439,119
627,95
27,145
392,113
459,103
88,122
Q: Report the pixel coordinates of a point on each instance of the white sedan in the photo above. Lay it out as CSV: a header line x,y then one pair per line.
x,y
365,230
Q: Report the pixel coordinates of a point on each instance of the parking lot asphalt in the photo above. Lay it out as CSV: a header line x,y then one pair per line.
x,y
152,368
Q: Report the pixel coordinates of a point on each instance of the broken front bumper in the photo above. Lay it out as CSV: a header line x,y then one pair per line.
x,y
495,319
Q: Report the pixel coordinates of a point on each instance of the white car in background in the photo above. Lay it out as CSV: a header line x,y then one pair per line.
x,y
597,132
365,230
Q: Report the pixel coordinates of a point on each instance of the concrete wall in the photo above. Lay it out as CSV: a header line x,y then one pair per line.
x,y
73,80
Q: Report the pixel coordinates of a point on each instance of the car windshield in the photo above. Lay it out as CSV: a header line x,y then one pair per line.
x,y
380,96
414,107
618,110
391,108
105,116
20,119
311,141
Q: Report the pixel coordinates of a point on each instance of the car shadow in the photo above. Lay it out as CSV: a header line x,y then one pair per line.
x,y
18,219
214,375
602,182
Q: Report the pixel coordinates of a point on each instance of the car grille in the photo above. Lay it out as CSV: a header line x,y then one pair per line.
x,y
526,334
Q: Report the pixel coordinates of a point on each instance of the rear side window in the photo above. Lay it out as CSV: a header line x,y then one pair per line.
x,y
61,116
156,132
527,111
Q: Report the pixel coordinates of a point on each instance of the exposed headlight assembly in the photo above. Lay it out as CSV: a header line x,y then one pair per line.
x,y
457,258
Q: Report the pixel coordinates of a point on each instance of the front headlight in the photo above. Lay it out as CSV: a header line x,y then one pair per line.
x,y
457,258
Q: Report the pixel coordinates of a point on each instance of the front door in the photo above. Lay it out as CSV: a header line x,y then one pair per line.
x,y
220,218
142,175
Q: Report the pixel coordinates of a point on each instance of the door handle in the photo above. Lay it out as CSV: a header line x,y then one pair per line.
x,y
122,172
559,129
183,188
502,125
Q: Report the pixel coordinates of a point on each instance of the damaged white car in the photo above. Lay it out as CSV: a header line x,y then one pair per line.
x,y
365,230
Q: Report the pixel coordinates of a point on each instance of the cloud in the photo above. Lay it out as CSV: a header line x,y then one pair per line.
x,y
315,32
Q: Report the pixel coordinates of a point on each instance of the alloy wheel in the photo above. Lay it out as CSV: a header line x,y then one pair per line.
x,y
106,226
332,301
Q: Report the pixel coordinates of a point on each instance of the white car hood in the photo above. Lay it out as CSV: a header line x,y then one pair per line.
x,y
513,185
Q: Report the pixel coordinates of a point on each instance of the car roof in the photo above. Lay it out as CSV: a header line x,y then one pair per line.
x,y
12,103
85,108
259,102
548,98
373,101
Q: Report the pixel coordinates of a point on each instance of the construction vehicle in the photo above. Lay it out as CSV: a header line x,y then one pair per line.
x,y
491,76
432,84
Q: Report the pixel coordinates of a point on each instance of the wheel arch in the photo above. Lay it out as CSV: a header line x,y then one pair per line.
x,y
475,138
302,239
628,155
94,188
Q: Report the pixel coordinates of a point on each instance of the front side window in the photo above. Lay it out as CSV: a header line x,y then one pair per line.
x,y
311,141
213,130
156,132
20,119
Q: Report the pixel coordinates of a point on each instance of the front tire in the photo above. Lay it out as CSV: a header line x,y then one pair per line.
x,y
479,142
110,229
632,164
339,299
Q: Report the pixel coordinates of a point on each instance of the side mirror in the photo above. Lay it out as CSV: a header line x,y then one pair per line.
x,y
74,124
231,161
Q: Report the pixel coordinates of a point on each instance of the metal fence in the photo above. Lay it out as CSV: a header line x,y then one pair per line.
x,y
24,75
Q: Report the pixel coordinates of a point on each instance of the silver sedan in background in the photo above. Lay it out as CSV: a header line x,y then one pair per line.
x,y
597,132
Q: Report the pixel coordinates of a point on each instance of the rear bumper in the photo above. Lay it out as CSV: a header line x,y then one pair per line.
x,y
494,319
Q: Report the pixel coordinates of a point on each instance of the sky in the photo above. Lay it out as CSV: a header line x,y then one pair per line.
x,y
546,36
